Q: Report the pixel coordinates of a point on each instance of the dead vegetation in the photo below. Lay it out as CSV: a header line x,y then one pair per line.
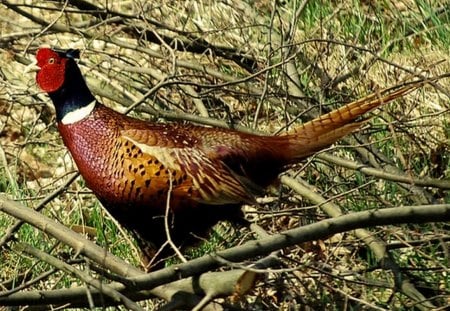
x,y
257,67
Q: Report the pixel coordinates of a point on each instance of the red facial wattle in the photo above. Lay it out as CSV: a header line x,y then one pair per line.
x,y
51,75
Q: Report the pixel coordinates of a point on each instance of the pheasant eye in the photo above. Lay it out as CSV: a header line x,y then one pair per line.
x,y
51,60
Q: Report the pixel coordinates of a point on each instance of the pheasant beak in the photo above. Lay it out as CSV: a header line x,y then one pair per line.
x,y
33,67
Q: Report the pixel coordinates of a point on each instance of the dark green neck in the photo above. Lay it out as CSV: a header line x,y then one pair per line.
x,y
74,93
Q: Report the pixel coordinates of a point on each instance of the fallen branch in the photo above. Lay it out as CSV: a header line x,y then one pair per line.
x,y
251,249
376,245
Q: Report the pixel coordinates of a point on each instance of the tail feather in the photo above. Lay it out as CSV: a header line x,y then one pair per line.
x,y
328,128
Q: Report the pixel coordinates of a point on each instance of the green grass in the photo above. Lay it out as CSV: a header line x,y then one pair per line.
x,y
380,22
13,262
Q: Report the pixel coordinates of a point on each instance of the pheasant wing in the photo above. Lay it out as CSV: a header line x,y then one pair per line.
x,y
189,171
214,181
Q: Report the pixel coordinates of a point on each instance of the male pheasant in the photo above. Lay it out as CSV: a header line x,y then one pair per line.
x,y
133,166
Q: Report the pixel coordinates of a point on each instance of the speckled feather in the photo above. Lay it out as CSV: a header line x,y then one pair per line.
x,y
142,160
133,178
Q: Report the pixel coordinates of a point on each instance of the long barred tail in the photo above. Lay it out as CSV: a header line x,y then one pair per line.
x,y
328,128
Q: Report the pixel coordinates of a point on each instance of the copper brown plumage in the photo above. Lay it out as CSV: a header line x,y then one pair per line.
x,y
133,166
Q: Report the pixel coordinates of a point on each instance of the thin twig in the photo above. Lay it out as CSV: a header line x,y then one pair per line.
x,y
166,222
102,287
9,232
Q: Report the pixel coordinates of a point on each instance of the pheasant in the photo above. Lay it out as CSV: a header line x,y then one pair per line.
x,y
138,168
